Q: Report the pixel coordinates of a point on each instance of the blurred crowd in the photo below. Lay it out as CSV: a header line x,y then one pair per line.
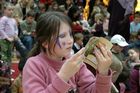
x,y
115,20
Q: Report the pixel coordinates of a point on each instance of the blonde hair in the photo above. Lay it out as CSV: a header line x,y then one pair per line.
x,y
8,5
78,36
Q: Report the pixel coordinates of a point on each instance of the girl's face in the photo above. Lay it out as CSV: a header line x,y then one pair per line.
x,y
133,54
64,43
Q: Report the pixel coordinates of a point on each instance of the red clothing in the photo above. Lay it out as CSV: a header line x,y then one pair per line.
x,y
43,1
131,18
77,28
134,81
46,1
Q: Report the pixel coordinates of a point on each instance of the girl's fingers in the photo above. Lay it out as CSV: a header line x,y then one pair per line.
x,y
98,53
79,59
109,53
79,53
104,50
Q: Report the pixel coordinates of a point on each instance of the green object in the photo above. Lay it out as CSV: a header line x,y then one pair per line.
x,y
90,45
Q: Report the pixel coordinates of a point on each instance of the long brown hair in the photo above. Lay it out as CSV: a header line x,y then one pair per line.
x,y
47,30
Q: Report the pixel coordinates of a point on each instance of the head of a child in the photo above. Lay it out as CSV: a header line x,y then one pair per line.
x,y
74,13
8,9
30,16
23,3
55,6
54,35
42,7
137,17
99,18
134,54
68,2
118,42
78,38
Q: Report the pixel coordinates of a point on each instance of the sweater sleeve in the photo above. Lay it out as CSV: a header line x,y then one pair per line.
x,y
134,80
34,80
3,35
88,83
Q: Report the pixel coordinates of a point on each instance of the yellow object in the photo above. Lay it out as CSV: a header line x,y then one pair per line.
x,y
86,10
138,6
106,2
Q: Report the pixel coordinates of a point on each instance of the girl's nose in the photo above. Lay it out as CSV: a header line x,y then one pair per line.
x,y
70,40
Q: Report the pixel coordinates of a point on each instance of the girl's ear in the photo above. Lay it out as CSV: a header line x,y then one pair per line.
x,y
45,45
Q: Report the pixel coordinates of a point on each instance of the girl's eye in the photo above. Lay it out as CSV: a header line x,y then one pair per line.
x,y
62,35
71,34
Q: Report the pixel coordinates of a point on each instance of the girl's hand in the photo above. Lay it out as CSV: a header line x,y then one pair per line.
x,y
72,65
104,58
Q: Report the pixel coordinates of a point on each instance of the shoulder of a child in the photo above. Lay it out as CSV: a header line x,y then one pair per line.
x,y
4,19
37,61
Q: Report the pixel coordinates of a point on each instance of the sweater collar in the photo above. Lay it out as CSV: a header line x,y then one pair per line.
x,y
53,63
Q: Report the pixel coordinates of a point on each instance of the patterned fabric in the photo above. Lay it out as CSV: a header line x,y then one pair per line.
x,y
5,72
17,85
8,28
6,50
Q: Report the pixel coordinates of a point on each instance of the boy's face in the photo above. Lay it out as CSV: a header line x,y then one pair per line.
x,y
9,11
80,42
30,19
137,19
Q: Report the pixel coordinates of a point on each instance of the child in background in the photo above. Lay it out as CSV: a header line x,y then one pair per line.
x,y
135,27
51,69
78,42
135,43
8,32
134,55
28,28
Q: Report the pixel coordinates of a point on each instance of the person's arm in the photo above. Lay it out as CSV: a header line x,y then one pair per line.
x,y
130,7
88,83
36,80
3,27
131,27
102,83
134,80
23,28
